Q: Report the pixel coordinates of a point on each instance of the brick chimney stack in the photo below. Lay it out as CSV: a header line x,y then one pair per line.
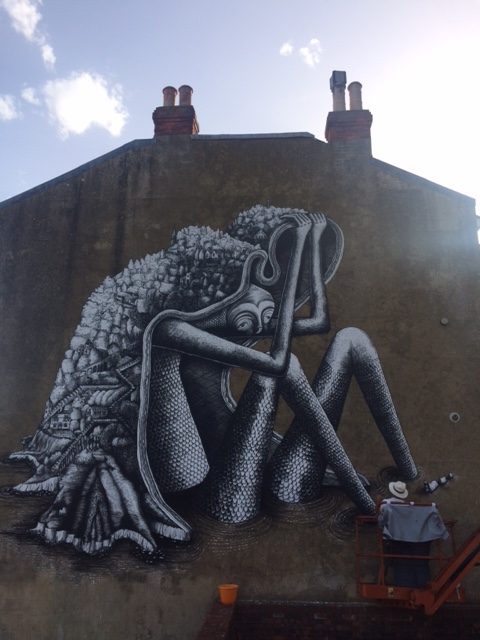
x,y
348,131
172,119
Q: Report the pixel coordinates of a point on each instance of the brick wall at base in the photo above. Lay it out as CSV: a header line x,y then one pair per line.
x,y
338,621
218,624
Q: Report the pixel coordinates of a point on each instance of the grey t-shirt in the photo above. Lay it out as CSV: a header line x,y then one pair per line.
x,y
411,523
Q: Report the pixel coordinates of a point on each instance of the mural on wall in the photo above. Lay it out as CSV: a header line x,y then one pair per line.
x,y
141,407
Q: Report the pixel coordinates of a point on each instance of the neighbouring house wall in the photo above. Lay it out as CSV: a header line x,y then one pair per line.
x,y
410,260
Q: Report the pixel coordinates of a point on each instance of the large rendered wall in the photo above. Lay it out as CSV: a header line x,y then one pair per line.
x,y
410,260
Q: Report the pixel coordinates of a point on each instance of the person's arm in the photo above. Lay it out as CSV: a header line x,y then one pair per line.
x,y
319,321
183,337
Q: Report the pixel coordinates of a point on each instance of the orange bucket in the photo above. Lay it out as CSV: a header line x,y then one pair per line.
x,y
228,593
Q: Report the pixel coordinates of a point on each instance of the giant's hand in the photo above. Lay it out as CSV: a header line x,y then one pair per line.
x,y
300,219
319,224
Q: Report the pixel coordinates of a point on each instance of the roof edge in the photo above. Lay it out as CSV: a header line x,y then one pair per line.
x,y
133,144
252,136
438,187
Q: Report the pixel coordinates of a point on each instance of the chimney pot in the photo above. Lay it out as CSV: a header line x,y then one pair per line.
x,y
355,92
338,82
169,95
185,95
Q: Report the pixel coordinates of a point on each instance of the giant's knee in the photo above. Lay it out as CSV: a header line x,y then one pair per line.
x,y
356,342
353,336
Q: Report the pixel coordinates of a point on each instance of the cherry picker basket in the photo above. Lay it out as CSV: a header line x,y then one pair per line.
x,y
448,567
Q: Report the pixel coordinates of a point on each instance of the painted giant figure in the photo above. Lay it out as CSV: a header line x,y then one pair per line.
x,y
141,405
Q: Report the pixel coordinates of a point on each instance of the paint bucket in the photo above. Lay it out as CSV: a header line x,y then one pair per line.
x,y
228,593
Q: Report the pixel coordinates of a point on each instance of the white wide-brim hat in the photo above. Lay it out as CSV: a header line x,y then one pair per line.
x,y
398,489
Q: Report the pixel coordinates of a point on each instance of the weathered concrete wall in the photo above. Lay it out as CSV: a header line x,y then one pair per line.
x,y
411,259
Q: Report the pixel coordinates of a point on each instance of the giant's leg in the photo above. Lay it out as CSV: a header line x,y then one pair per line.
x,y
233,488
301,398
297,467
371,380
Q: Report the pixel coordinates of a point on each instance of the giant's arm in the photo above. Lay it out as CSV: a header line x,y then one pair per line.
x,y
181,336
319,321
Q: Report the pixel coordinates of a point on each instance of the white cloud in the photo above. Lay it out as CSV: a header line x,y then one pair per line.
x,y
8,108
84,100
48,55
25,16
311,53
286,49
29,95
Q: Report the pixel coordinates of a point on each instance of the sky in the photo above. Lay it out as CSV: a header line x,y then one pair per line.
x,y
79,78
